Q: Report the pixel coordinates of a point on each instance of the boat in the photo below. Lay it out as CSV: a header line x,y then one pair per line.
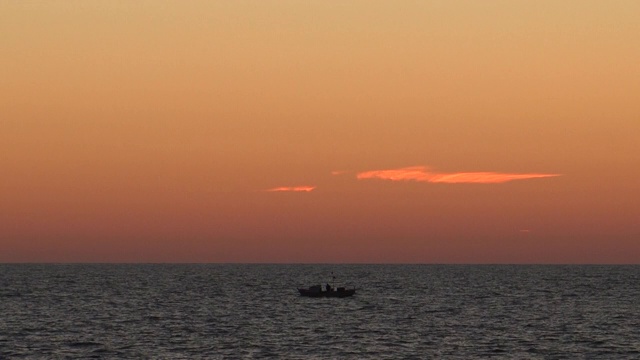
x,y
316,291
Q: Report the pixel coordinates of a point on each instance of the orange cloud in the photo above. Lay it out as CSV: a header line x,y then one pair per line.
x,y
422,174
293,188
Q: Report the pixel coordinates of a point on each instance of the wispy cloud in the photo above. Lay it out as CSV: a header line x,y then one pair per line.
x,y
293,188
423,174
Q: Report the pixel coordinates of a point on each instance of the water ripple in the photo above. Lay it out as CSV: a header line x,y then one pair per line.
x,y
253,311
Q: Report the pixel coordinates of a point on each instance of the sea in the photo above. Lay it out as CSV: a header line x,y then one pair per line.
x,y
234,311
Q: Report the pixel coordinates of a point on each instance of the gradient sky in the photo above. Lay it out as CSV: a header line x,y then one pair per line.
x,y
320,131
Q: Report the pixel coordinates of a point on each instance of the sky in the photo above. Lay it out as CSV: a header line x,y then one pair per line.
x,y
320,131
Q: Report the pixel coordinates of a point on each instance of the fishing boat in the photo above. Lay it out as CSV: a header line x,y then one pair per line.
x,y
316,291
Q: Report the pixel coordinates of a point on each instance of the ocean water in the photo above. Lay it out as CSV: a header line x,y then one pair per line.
x,y
254,311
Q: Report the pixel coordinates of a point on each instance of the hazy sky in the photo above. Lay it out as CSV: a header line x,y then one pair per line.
x,y
320,131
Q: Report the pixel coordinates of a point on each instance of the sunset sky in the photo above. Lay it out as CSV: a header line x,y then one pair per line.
x,y
320,131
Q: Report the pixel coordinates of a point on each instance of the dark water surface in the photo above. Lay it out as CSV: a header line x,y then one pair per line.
x,y
253,311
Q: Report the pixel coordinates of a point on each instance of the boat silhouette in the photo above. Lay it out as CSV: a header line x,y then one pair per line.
x,y
316,291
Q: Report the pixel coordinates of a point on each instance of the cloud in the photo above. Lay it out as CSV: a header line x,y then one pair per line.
x,y
293,188
423,174
339,172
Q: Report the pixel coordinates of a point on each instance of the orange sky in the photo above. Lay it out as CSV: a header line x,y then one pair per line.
x,y
329,131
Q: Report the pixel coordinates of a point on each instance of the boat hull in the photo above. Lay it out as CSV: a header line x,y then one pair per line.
x,y
338,293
